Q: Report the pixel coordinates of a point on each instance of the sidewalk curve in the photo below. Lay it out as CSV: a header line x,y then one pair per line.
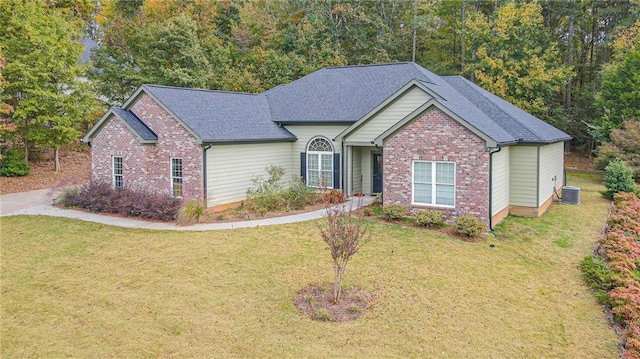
x,y
41,203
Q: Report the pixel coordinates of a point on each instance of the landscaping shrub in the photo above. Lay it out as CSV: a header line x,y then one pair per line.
x,y
393,212
101,197
13,164
619,178
190,212
333,196
266,194
270,195
598,275
469,225
298,194
620,251
429,218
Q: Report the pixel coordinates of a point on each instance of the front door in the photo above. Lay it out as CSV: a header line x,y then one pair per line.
x,y
377,173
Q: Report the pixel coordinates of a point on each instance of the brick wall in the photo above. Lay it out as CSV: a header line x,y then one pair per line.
x,y
149,166
436,137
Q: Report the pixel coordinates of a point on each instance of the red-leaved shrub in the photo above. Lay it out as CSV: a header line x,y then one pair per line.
x,y
621,248
102,197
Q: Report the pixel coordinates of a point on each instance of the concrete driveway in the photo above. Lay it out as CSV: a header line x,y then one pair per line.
x,y
16,202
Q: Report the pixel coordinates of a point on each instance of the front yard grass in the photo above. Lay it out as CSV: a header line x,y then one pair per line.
x,y
71,288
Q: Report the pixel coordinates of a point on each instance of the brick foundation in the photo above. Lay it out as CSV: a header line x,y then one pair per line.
x,y
437,137
148,166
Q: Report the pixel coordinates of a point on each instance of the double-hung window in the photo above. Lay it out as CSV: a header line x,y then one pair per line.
x,y
320,163
118,181
434,183
176,177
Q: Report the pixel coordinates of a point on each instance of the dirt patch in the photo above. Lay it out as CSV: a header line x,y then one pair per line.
x,y
578,160
316,302
75,168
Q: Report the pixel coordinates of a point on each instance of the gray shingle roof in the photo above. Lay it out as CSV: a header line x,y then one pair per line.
x,y
218,116
340,94
135,123
346,94
521,125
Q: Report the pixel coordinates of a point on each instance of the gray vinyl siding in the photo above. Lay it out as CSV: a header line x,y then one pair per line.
x,y
501,180
389,116
551,170
523,179
356,174
230,168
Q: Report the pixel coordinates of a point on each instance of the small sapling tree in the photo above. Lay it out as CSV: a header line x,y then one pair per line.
x,y
344,234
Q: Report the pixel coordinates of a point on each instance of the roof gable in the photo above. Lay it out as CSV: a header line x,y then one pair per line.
x,y
340,94
130,120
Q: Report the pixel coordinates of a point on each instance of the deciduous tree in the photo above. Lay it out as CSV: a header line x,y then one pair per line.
x,y
344,233
529,76
42,73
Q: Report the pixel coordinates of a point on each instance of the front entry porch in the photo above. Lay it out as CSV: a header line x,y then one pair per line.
x,y
362,170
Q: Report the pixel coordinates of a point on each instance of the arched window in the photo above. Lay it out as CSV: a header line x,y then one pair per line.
x,y
320,163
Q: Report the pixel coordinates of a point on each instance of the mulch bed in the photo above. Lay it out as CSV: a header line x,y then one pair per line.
x,y
232,215
316,302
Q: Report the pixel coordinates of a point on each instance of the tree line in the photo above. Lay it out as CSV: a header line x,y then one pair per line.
x,y
573,63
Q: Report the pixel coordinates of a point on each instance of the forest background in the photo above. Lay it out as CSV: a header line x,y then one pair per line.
x,y
572,63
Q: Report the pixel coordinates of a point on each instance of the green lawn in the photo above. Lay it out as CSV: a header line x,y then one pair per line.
x,y
71,288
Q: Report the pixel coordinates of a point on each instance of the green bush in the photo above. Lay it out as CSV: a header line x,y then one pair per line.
x,y
429,218
266,193
619,178
598,275
298,194
469,225
13,164
394,211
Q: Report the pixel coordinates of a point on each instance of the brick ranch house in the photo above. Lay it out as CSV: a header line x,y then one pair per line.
x,y
424,141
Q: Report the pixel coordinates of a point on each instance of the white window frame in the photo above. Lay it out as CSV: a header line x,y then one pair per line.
x,y
173,177
434,200
117,178
318,155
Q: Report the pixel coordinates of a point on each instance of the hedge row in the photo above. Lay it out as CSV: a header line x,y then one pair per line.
x,y
102,197
617,279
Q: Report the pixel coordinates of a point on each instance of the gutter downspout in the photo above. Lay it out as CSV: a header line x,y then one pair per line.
x,y
204,173
491,153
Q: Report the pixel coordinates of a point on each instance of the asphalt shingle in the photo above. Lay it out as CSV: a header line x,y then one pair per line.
x,y
135,123
218,116
340,94
344,95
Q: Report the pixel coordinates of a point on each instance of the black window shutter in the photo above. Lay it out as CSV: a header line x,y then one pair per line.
x,y
336,170
303,166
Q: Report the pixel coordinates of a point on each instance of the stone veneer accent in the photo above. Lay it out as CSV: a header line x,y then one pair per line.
x,y
148,166
435,136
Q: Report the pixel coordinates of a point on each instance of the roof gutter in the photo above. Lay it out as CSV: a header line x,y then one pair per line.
x,y
245,141
491,153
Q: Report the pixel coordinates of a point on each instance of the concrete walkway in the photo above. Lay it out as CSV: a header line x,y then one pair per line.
x,y
40,203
